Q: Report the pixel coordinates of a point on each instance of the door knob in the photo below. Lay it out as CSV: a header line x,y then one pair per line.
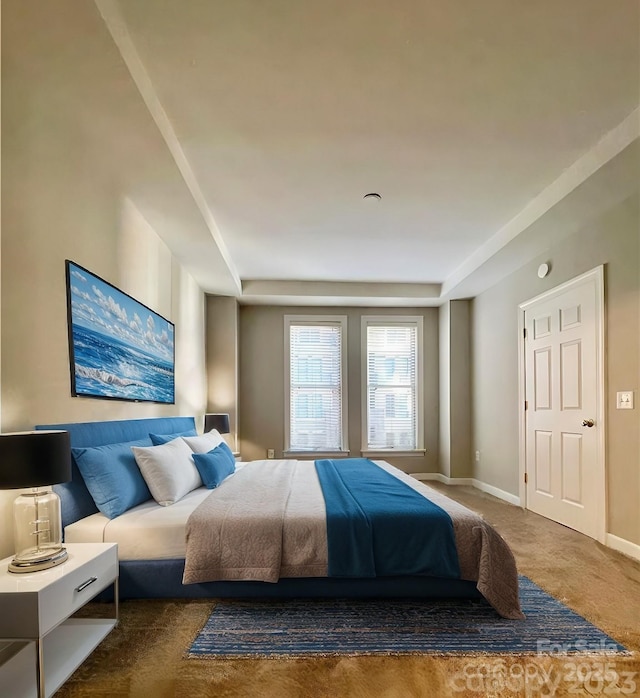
x,y
587,422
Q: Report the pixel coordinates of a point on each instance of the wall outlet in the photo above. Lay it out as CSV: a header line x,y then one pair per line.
x,y
477,456
624,400
271,453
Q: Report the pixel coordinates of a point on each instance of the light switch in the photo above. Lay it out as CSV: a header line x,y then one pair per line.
x,y
624,400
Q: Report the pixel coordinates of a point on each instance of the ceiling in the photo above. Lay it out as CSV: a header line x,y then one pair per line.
x,y
471,120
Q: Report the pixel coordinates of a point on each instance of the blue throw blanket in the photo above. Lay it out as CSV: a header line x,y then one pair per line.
x,y
379,526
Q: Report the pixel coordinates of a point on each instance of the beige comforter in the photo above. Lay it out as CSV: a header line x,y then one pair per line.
x,y
269,521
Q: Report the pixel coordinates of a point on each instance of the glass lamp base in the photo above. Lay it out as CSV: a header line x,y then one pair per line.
x,y
35,560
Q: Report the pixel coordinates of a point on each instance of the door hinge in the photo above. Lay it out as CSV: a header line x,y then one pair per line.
x,y
525,478
526,404
524,332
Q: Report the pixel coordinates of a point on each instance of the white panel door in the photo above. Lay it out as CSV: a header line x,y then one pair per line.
x,y
561,390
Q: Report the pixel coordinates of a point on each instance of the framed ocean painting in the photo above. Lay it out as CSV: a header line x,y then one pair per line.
x,y
118,348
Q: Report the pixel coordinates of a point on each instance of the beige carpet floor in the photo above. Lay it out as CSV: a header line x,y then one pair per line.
x,y
144,655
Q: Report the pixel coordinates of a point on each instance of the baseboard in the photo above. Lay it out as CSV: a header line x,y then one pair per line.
x,y
623,546
427,476
439,477
497,492
471,481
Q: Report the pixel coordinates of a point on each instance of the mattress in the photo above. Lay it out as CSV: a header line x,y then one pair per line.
x,y
153,532
146,532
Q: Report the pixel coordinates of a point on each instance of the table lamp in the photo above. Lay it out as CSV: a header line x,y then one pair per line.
x,y
36,459
217,421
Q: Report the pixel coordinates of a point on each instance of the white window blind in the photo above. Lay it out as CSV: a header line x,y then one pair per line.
x,y
393,393
315,386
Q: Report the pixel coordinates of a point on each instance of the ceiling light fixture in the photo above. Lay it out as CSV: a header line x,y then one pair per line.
x,y
372,195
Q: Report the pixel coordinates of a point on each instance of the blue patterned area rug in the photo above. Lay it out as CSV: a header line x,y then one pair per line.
x,y
303,627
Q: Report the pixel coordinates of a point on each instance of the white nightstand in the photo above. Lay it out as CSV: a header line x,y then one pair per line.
x,y
41,646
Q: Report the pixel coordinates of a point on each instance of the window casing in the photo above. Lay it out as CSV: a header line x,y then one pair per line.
x,y
392,384
315,384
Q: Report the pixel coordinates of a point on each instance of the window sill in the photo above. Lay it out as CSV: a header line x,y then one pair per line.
x,y
316,454
415,453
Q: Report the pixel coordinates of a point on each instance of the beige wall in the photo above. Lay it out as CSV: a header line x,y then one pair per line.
x,y
613,239
72,168
262,379
455,389
222,360
444,342
35,363
460,386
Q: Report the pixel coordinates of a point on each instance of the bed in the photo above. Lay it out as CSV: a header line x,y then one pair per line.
x,y
151,538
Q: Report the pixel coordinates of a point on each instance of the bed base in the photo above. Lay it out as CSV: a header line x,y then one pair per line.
x,y
161,579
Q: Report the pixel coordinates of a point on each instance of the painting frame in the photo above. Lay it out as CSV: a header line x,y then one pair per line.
x,y
119,348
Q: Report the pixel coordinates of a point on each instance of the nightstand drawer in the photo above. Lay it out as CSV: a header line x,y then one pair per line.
x,y
42,600
76,588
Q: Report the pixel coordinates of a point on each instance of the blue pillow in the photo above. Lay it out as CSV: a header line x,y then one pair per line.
x,y
215,465
225,447
112,476
161,439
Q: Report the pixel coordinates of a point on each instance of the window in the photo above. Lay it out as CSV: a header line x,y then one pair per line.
x,y
392,383
315,389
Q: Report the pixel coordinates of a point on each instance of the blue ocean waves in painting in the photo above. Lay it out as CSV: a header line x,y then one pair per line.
x,y
119,347
106,366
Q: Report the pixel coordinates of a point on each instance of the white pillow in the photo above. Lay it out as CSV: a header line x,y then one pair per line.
x,y
205,443
168,470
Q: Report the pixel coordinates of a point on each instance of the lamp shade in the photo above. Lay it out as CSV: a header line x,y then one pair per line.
x,y
217,421
34,458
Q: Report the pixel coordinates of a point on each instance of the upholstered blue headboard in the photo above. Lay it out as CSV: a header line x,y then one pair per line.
x,y
75,500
